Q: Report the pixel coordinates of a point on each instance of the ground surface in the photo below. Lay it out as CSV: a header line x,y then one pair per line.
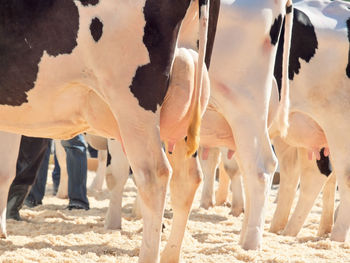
x,y
53,234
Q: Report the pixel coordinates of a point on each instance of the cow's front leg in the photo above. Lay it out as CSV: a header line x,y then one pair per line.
x,y
62,191
183,186
328,198
116,182
289,178
210,162
237,206
224,182
97,183
311,183
9,153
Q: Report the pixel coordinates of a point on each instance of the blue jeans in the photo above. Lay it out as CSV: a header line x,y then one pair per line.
x,y
77,171
37,191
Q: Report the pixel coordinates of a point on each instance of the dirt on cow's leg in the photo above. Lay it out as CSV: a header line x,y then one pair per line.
x,y
120,173
9,152
184,183
289,178
328,199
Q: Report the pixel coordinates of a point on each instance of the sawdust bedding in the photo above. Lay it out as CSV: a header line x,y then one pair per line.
x,y
51,233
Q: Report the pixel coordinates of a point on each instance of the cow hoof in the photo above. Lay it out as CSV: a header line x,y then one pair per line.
x,y
237,211
338,235
110,226
252,240
206,205
290,232
3,235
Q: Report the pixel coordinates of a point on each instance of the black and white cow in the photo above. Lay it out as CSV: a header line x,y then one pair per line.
x,y
69,66
320,95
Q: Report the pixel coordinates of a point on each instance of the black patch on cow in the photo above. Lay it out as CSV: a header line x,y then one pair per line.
x,y
96,29
324,165
303,46
185,138
109,158
27,29
275,30
348,66
89,2
289,9
195,154
163,20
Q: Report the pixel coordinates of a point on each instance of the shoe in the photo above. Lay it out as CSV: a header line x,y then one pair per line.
x,y
16,196
32,203
76,206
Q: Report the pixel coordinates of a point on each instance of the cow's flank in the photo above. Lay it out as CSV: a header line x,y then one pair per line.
x,y
27,30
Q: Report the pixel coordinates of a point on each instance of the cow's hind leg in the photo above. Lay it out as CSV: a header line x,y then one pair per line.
x,y
258,164
140,135
116,182
9,153
183,186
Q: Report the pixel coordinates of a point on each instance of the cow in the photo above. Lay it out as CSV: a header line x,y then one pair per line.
x,y
241,73
319,72
97,66
295,165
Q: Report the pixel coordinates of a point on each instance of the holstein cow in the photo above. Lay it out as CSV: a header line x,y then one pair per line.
x,y
69,66
294,164
241,75
319,71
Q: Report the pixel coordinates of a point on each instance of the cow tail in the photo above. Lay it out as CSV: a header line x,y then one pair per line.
x,y
193,131
283,111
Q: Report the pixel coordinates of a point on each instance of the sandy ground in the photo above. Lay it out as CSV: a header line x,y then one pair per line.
x,y
50,233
